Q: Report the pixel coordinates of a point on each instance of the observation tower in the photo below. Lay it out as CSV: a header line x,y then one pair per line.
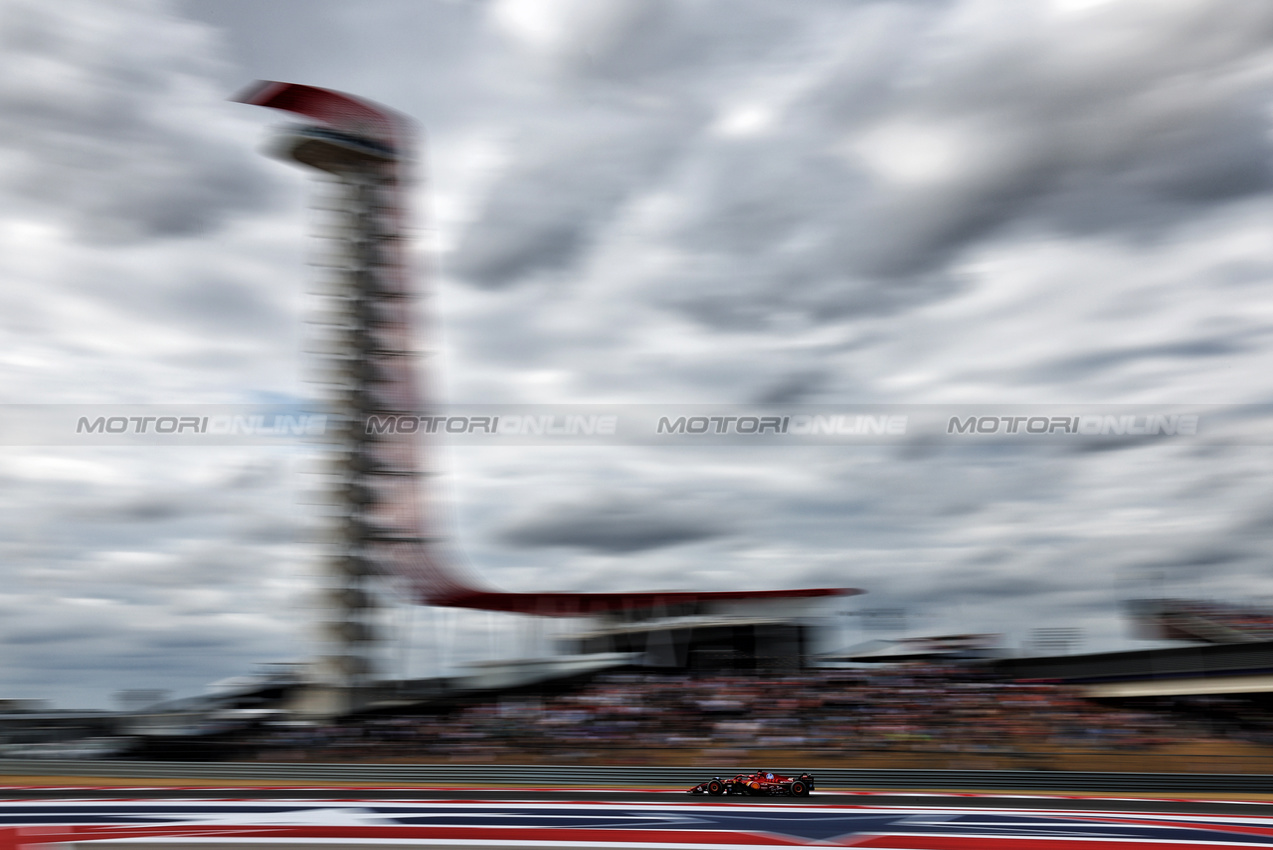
x,y
382,527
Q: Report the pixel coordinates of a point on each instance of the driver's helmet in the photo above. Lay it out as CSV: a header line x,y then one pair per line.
x,y
769,776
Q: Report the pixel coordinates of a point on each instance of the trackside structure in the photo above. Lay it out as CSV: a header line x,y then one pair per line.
x,y
382,522
378,523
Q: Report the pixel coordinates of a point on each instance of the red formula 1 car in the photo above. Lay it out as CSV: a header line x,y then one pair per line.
x,y
757,784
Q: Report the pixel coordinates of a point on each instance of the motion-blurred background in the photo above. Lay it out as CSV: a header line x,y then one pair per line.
x,y
654,202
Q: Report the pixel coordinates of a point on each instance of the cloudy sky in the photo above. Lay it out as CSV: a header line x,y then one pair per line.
x,y
645,201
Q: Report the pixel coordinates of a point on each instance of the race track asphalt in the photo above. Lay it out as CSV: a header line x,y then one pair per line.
x,y
832,797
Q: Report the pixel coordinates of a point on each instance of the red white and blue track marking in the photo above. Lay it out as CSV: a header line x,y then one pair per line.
x,y
252,825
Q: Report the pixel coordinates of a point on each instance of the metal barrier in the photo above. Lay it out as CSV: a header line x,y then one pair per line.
x,y
498,775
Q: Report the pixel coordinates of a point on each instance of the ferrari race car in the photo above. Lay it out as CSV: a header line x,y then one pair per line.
x,y
757,784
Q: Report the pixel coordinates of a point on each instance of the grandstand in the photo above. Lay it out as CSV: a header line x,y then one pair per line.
x,y
939,649
1200,621
1225,650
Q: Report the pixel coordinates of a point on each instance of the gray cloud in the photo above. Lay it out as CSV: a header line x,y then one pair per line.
x,y
566,186
614,526
1078,366
1202,557
793,389
868,185
63,633
1127,137
98,129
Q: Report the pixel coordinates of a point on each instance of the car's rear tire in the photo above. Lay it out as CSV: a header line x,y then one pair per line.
x,y
714,787
799,789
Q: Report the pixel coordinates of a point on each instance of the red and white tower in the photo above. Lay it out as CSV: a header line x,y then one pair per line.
x,y
382,525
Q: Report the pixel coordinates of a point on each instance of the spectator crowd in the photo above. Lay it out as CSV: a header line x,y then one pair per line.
x,y
633,717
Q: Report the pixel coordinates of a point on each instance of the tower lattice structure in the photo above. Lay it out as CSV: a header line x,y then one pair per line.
x,y
365,360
